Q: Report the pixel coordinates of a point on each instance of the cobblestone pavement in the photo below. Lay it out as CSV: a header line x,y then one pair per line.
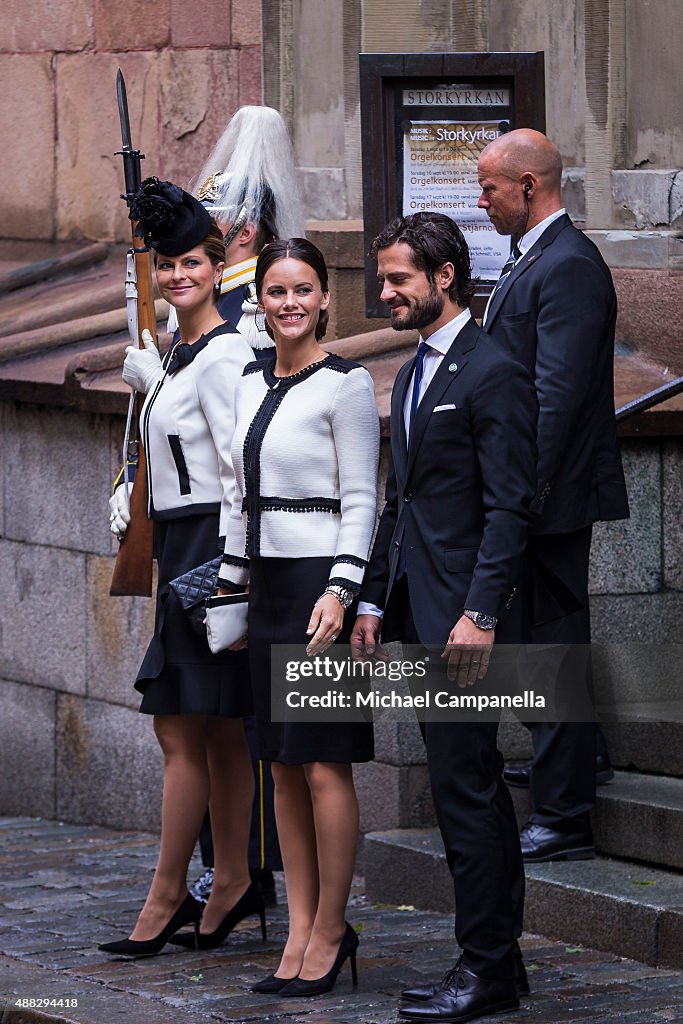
x,y
64,888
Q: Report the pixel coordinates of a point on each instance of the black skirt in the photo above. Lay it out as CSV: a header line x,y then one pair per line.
x,y
281,598
179,675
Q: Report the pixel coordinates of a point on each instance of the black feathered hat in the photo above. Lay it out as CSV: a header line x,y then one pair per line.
x,y
170,219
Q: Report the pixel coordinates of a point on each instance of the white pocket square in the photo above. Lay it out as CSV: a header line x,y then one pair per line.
x,y
443,408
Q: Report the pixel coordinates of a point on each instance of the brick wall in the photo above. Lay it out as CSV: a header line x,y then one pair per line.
x,y
187,68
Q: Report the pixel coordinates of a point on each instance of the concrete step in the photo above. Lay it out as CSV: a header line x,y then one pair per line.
x,y
636,817
647,737
640,817
623,908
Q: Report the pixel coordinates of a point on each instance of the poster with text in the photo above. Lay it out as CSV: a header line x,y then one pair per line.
x,y
440,174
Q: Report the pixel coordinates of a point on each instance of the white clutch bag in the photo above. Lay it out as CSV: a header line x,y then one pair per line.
x,y
226,620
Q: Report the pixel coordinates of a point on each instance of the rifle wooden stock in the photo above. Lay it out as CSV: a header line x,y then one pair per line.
x,y
132,575
133,569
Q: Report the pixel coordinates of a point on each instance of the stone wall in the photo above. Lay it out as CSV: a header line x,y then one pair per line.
x,y
187,68
72,745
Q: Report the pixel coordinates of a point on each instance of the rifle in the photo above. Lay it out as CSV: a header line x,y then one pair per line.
x,y
133,569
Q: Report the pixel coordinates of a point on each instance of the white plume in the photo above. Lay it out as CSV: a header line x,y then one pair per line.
x,y
254,163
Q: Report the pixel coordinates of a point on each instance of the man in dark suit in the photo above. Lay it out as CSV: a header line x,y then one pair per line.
x,y
555,309
443,571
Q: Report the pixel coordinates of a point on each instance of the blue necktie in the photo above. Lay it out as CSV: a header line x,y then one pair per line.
x,y
422,349
417,381
507,267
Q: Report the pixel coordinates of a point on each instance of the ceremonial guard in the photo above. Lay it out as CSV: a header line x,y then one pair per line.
x,y
249,186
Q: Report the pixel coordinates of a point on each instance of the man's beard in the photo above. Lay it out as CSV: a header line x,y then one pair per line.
x,y
422,313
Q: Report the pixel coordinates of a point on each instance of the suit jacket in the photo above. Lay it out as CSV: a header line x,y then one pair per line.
x,y
556,313
458,498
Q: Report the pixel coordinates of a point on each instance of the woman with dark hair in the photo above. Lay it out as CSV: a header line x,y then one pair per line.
x,y
197,698
305,454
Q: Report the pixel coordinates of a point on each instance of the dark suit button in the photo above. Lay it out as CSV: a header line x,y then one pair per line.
x,y
396,545
407,496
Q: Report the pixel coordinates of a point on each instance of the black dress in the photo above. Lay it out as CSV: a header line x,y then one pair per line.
x,y
179,674
282,592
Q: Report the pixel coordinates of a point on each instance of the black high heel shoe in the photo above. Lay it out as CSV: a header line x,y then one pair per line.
x,y
271,984
251,902
316,986
189,912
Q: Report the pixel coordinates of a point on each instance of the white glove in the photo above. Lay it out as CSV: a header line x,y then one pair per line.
x,y
142,366
119,512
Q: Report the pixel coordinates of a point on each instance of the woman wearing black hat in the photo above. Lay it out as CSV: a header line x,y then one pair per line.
x,y
197,698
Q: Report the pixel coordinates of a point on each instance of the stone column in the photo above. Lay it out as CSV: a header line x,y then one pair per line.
x,y
605,49
278,72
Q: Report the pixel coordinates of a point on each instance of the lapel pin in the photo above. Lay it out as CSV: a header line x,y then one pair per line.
x,y
453,367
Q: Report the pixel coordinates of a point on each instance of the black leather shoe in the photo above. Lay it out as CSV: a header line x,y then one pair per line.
x,y
541,844
604,772
419,993
465,998
519,775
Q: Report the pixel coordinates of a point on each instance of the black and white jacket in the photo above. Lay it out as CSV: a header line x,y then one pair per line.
x,y
305,453
187,424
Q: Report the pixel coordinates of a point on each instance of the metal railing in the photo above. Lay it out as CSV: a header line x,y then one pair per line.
x,y
650,398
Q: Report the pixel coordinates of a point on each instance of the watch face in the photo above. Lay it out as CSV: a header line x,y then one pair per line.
x,y
481,620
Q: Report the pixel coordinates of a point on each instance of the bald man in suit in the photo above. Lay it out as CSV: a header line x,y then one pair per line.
x,y
554,309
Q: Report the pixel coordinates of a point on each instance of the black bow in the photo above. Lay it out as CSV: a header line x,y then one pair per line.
x,y
182,356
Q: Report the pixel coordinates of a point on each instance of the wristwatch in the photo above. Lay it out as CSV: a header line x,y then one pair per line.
x,y
481,620
343,594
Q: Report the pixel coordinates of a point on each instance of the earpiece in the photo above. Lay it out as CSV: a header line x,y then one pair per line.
x,y
527,189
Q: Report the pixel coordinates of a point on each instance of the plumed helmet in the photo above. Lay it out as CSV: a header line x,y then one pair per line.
x,y
250,177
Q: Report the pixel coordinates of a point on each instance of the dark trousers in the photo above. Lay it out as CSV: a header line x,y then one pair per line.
x,y
264,849
563,776
478,828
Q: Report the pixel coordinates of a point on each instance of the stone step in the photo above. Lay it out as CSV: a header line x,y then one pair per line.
x,y
647,737
640,817
623,908
636,817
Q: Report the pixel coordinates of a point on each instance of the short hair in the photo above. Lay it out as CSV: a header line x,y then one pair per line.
x,y
433,239
295,249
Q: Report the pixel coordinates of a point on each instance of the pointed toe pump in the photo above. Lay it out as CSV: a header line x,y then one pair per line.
x,y
251,902
189,912
316,986
270,984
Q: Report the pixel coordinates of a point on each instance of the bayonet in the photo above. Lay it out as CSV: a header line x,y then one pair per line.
x,y
131,157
